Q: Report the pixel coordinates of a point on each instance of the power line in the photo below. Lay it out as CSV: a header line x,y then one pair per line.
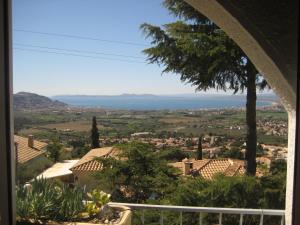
x,y
79,51
80,37
76,55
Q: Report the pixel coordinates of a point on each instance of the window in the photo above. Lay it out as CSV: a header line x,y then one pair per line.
x,y
6,144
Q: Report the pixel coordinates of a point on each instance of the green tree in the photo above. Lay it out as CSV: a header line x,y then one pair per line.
x,y
232,152
278,166
199,149
172,154
203,55
54,150
80,147
95,134
222,191
139,176
189,142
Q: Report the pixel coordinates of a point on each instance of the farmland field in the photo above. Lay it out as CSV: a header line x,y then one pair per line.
x,y
229,123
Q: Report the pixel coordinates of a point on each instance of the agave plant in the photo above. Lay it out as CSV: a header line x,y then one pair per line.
x,y
46,200
23,203
38,201
71,204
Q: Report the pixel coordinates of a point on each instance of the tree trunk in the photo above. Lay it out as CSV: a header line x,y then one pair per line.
x,y
251,139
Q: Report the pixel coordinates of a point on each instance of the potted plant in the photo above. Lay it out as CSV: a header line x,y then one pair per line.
x,y
46,202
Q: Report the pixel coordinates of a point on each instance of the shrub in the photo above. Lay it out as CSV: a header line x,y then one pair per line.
x,y
45,200
97,200
172,154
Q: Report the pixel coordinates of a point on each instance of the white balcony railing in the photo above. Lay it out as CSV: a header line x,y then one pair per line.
x,y
201,210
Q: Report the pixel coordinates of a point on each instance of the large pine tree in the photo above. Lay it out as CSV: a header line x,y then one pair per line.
x,y
95,134
203,55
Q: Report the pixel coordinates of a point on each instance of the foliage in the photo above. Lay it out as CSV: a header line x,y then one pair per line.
x,y
232,152
198,50
278,166
79,146
199,153
139,176
204,56
260,151
189,142
171,154
70,202
231,192
54,150
97,200
94,134
45,200
274,185
238,143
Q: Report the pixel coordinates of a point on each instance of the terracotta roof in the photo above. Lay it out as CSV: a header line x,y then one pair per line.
x,y
200,163
235,169
213,167
26,153
89,161
207,168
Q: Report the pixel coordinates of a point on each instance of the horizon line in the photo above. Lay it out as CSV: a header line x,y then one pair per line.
x,y
151,94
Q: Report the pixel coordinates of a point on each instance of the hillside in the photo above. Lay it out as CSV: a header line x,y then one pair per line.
x,y
31,101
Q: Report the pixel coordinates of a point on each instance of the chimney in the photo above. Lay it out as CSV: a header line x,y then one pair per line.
x,y
30,141
187,166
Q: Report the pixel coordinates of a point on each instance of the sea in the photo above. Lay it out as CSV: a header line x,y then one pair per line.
x,y
155,102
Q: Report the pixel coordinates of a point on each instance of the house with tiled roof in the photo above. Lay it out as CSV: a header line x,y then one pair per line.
x,y
27,149
30,156
60,171
208,168
84,169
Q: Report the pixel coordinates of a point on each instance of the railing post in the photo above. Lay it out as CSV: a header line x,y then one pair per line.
x,y
200,218
282,220
161,218
220,219
180,217
261,219
241,219
143,217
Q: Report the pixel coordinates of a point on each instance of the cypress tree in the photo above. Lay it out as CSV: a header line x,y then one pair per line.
x,y
199,149
95,134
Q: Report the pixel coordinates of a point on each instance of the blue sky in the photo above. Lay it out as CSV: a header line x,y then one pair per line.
x,y
114,20
52,74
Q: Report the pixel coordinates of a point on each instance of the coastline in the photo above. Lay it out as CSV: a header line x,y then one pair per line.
x,y
164,103
273,105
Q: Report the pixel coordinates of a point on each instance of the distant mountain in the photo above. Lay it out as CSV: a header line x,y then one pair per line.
x,y
138,95
26,101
